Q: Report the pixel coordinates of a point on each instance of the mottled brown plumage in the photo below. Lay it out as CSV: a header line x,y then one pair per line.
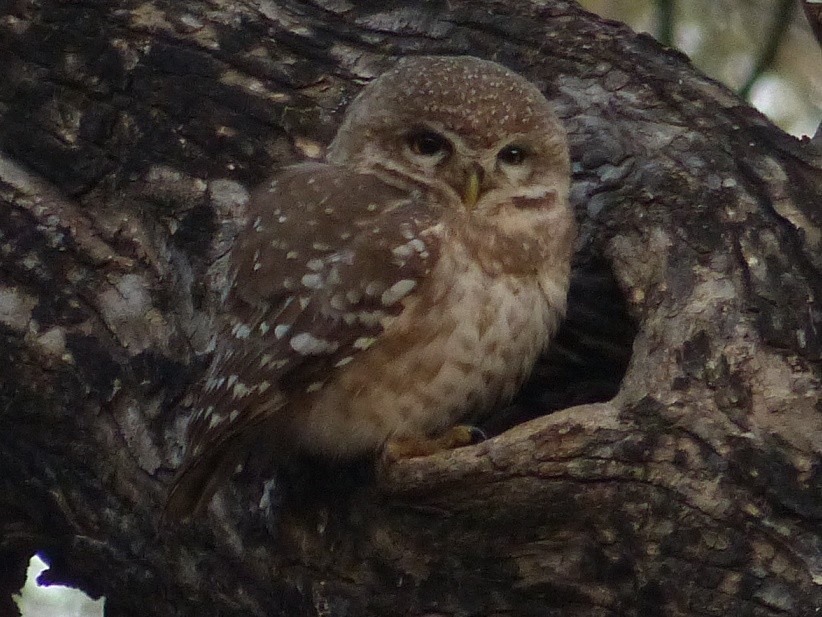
x,y
405,285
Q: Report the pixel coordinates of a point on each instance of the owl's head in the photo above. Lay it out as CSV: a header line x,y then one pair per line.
x,y
465,127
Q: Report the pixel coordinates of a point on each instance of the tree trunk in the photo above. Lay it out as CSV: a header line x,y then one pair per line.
x,y
131,132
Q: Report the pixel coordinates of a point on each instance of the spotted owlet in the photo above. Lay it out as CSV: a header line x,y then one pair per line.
x,y
407,283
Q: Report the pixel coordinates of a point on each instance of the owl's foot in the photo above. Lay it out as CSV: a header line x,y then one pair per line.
x,y
411,447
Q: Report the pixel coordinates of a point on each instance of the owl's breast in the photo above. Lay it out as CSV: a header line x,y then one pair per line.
x,y
463,345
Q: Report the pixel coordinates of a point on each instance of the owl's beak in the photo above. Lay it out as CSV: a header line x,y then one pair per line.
x,y
471,189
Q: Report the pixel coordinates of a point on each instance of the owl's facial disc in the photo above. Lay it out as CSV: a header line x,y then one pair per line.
x,y
469,169
472,131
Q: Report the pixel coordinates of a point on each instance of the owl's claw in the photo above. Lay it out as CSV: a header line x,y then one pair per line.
x,y
477,434
461,435
412,447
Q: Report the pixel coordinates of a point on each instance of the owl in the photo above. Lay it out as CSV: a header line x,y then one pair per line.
x,y
402,287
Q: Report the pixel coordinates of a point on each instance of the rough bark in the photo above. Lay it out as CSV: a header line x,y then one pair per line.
x,y
130,133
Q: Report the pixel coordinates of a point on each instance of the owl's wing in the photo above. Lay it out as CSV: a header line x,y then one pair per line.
x,y
327,257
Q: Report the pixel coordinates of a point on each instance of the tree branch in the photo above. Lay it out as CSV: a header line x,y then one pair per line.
x,y
131,133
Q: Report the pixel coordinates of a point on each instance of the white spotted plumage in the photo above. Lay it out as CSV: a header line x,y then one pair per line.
x,y
398,287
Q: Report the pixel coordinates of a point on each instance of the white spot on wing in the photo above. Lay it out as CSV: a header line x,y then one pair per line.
x,y
240,390
404,251
419,246
397,291
307,344
364,342
312,281
241,330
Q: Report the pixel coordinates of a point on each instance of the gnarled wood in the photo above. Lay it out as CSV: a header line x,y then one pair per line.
x,y
130,134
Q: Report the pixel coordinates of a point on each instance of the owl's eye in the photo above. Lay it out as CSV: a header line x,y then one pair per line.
x,y
512,155
428,143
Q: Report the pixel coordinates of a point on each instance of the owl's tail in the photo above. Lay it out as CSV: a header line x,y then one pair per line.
x,y
197,481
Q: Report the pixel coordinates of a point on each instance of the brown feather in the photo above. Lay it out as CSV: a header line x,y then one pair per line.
x,y
298,304
368,302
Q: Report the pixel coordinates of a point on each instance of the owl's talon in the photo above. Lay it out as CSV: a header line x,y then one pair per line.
x,y
477,434
417,446
458,436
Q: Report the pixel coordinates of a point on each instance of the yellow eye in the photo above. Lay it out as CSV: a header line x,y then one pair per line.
x,y
428,143
512,155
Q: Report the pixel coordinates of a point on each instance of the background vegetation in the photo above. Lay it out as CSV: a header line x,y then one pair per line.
x,y
763,49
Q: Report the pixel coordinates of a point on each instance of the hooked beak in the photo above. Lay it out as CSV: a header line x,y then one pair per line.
x,y
471,189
